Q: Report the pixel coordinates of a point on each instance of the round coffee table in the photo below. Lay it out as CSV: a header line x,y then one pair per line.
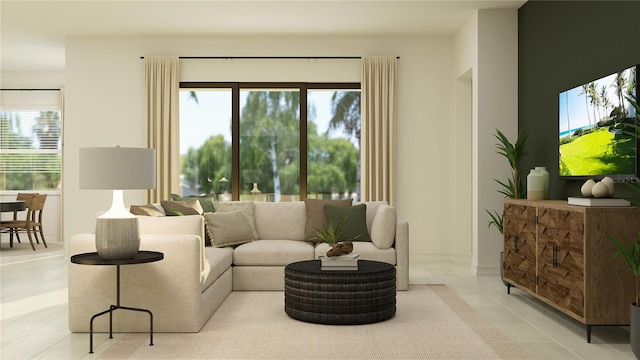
x,y
342,297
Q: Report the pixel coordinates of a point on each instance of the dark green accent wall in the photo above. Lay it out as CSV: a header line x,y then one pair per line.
x,y
563,44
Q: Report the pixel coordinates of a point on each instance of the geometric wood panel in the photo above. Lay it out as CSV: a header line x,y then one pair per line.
x,y
561,258
520,245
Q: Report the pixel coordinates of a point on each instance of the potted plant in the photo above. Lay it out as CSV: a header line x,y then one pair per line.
x,y
332,235
629,250
514,187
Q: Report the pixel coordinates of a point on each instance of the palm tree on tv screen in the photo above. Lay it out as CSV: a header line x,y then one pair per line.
x,y
585,92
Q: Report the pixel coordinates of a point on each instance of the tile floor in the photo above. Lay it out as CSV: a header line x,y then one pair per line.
x,y
34,312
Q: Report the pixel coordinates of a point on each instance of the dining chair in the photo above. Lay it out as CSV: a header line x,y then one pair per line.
x,y
26,197
32,224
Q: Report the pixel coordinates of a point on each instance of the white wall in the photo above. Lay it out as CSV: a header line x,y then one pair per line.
x,y
105,106
486,71
496,87
453,92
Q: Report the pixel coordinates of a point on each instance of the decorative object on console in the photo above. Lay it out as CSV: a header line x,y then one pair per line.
x,y
602,189
587,187
545,178
535,185
117,168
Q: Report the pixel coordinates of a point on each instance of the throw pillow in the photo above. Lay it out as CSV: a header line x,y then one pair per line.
x,y
383,229
315,215
247,206
230,228
206,201
145,210
182,207
355,226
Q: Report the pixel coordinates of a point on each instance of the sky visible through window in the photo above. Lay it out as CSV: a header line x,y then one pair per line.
x,y
212,115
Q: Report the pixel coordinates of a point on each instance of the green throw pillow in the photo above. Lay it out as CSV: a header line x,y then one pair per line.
x,y
355,227
206,201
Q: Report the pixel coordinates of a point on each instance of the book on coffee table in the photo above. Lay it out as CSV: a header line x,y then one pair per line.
x,y
336,268
340,260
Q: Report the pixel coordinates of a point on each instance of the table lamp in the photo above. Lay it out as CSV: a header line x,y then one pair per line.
x,y
117,168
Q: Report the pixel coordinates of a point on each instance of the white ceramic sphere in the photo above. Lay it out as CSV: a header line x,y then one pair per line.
x,y
611,184
587,187
600,190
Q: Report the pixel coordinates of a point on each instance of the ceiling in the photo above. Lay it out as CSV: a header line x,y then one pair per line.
x,y
32,33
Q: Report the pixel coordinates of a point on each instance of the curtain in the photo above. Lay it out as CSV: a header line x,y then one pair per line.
x,y
162,86
378,127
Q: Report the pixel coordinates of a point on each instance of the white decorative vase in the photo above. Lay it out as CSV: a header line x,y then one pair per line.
x,y
545,178
255,190
535,185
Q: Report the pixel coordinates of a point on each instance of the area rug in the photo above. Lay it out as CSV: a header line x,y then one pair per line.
x,y
431,322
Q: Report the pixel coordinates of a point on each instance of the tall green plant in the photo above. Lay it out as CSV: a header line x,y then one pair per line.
x,y
514,187
629,250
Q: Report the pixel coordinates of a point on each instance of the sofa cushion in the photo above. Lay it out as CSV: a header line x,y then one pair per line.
x,y
145,210
220,259
372,209
182,207
316,220
383,229
272,252
280,221
230,228
367,251
206,201
355,226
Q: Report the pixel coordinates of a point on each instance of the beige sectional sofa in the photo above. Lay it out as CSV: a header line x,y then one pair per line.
x,y
189,284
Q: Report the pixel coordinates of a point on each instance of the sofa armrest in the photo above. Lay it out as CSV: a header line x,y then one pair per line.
x,y
170,288
402,254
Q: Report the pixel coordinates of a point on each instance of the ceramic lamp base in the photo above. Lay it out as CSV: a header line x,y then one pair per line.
x,y
117,239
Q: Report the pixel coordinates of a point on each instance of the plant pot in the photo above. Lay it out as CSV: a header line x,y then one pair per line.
x,y
635,330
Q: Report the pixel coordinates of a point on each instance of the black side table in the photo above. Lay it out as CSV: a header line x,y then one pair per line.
x,y
140,258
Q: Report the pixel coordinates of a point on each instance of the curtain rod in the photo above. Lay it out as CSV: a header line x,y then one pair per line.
x,y
271,57
30,89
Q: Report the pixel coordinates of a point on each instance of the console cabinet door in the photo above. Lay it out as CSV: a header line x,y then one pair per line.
x,y
520,245
561,258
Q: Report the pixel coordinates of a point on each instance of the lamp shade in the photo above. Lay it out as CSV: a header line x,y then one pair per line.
x,y
117,168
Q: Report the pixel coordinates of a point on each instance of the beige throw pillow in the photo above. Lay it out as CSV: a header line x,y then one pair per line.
x,y
315,215
383,229
230,228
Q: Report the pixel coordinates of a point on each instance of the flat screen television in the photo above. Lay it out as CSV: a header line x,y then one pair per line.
x,y
591,123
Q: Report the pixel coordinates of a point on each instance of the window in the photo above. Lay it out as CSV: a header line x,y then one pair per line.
x,y
30,149
244,141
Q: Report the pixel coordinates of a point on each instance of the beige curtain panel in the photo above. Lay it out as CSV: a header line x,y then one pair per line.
x,y
378,137
162,86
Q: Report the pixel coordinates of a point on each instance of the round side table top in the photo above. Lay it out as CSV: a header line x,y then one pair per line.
x,y
140,258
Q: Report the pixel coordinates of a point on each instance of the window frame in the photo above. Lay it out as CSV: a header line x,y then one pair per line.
x,y
236,87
